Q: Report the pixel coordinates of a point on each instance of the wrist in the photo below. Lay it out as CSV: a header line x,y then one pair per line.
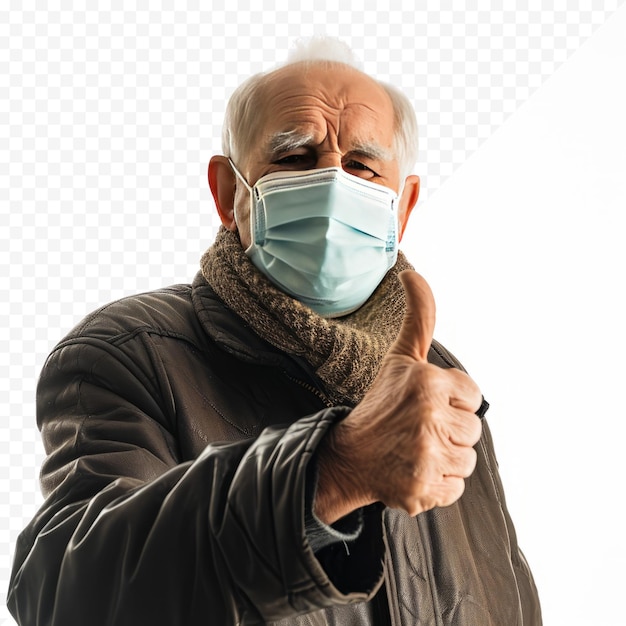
x,y
340,488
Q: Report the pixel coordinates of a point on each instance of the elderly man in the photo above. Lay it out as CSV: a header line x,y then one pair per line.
x,y
281,441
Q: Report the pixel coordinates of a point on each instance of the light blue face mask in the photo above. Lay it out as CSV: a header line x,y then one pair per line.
x,y
323,236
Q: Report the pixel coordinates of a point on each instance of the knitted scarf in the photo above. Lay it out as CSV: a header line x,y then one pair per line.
x,y
345,352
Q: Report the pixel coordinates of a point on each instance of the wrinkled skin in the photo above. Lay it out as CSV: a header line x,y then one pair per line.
x,y
409,443
343,118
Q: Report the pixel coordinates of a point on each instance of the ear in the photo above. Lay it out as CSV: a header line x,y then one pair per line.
x,y
408,200
223,183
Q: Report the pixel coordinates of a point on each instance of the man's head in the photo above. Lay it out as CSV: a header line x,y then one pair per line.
x,y
316,111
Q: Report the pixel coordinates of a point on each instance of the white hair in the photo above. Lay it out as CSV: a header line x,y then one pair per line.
x,y
246,101
323,49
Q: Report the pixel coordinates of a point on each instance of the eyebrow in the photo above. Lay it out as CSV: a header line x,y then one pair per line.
x,y
288,140
372,151
285,141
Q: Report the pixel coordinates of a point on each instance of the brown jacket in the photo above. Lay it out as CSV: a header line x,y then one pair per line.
x,y
178,445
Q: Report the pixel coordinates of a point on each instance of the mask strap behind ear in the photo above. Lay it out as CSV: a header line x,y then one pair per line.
x,y
239,176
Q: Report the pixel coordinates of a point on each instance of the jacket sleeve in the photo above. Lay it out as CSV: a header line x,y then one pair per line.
x,y
128,534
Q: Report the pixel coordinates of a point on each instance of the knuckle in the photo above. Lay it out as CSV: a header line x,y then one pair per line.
x,y
428,451
470,462
477,429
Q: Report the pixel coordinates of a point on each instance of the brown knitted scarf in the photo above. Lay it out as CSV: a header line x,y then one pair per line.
x,y
345,352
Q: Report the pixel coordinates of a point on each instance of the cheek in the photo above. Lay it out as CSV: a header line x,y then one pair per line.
x,y
394,177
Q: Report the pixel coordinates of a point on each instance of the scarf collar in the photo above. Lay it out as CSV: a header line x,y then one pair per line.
x,y
344,352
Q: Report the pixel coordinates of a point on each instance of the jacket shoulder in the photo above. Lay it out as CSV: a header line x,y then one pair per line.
x,y
441,356
166,311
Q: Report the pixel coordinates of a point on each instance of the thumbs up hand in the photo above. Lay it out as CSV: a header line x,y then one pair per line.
x,y
409,442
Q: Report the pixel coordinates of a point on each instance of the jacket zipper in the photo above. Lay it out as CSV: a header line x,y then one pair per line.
x,y
311,389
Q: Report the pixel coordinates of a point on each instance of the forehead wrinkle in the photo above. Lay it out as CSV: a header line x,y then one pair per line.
x,y
312,120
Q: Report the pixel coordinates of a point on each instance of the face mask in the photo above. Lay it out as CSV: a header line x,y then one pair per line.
x,y
323,236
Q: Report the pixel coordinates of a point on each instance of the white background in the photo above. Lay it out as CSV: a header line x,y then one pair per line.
x,y
531,298
109,117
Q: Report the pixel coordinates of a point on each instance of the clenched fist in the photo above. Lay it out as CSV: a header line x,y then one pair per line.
x,y
409,442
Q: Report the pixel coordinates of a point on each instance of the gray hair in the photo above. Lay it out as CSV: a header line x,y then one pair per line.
x,y
245,103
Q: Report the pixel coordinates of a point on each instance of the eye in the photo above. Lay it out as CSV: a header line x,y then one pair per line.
x,y
295,161
359,169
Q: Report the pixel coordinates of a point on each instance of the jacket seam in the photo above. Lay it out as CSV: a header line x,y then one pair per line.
x,y
89,375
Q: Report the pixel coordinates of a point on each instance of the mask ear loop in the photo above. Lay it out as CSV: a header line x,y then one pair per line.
x,y
239,175
252,210
396,212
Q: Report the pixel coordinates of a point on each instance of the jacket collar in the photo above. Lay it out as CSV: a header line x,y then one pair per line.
x,y
230,332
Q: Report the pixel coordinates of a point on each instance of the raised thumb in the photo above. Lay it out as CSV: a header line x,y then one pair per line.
x,y
416,333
